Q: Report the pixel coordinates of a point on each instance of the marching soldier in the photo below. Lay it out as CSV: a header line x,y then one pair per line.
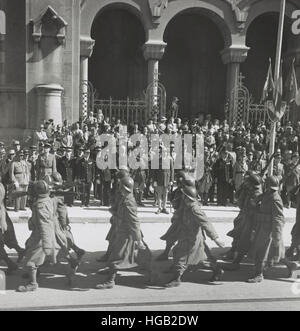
x,y
245,224
46,163
8,236
129,249
191,249
267,246
42,242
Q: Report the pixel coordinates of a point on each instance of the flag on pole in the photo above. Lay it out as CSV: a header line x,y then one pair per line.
x,y
269,84
278,90
291,85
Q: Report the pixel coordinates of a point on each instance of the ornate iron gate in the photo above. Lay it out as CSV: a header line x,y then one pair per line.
x,y
153,105
242,108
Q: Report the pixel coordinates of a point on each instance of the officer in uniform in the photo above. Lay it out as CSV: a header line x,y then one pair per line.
x,y
46,163
85,174
19,173
267,246
129,249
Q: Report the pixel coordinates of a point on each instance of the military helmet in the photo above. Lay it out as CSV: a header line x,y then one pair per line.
x,y
41,187
255,179
190,192
273,183
123,172
127,183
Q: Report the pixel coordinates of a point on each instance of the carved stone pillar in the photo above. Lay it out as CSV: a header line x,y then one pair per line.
x,y
153,53
233,57
49,102
2,59
86,50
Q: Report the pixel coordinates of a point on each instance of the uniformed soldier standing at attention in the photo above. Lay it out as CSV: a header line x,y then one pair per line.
x,y
85,174
68,175
19,177
129,249
46,163
267,246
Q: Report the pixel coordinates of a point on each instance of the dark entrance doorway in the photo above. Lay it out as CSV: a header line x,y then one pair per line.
x,y
192,68
117,67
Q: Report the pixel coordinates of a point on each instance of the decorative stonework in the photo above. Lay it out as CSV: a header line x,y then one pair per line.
x,y
154,50
157,7
241,15
86,46
235,54
49,24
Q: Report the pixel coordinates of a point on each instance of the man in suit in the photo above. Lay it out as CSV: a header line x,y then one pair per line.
x,y
85,174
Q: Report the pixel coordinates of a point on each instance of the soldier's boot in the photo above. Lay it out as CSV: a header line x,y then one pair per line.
x,y
292,267
217,273
11,266
32,285
110,281
175,282
74,264
26,275
79,252
259,276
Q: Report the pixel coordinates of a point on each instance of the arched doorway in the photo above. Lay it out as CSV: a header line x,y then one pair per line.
x,y
262,40
117,67
192,68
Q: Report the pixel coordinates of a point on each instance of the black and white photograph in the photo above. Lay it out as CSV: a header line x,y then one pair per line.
x,y
149,158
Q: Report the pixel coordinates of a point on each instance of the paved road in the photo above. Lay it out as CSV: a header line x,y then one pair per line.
x,y
196,293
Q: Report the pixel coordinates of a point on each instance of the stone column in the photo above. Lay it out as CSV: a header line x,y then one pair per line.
x,y
49,103
2,59
233,57
86,50
153,53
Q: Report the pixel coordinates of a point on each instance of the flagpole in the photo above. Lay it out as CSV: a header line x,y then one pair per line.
x,y
277,74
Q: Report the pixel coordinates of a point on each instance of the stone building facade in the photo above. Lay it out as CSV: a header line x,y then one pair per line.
x,y
197,47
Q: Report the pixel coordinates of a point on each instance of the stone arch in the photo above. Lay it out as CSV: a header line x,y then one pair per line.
x,y
93,9
218,11
260,7
2,22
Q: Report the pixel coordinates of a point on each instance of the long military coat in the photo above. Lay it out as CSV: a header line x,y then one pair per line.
x,y
268,244
191,248
42,241
124,252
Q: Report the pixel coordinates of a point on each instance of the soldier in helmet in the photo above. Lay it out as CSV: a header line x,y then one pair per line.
x,y
171,235
267,246
245,224
129,249
191,249
113,210
42,242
